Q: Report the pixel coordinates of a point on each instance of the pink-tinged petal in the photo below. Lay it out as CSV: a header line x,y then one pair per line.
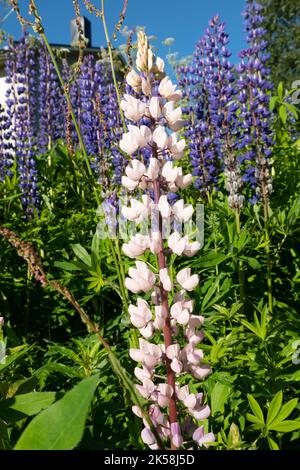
x,y
142,391
137,411
173,351
165,279
184,317
191,283
160,137
136,355
166,389
198,434
154,107
134,80
150,361
162,400
190,401
148,437
153,169
200,372
189,426
209,437
183,392
176,366
147,331
160,64
135,170
142,374
177,440
155,242
191,249
164,207
201,413
146,87
129,183
138,321
132,285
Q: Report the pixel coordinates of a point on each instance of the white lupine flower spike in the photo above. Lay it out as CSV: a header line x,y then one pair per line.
x,y
170,333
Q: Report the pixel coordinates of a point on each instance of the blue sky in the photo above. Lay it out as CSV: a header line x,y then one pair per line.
x,y
184,20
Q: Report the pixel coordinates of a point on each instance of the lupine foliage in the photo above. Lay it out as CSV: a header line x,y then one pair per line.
x,y
239,136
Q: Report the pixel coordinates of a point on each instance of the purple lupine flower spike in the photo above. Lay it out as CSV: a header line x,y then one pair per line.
x,y
208,87
51,117
22,102
254,85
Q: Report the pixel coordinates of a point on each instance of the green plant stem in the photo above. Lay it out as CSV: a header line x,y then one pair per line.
x,y
115,251
268,254
240,268
119,275
119,256
109,48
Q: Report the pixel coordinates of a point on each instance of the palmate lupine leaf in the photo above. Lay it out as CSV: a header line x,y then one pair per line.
x,y
256,409
274,408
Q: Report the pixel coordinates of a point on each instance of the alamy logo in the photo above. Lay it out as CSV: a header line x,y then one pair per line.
x,y
296,354
296,94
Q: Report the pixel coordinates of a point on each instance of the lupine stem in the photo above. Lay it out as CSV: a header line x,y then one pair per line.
x,y
165,306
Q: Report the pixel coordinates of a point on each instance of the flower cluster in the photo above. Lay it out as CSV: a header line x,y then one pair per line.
x,y
100,120
155,122
253,85
5,158
36,116
228,112
208,87
50,126
22,117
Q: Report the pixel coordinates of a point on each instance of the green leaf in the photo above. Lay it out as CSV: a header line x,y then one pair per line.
x,y
285,426
211,259
273,102
253,419
219,397
82,254
14,357
292,109
66,266
253,262
272,444
61,426
274,408
27,404
283,114
256,408
285,411
280,90
251,327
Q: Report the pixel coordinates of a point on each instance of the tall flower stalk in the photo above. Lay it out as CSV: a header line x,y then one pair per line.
x,y
21,101
156,120
256,138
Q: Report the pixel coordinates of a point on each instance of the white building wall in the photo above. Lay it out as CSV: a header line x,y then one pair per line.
x,y
3,88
